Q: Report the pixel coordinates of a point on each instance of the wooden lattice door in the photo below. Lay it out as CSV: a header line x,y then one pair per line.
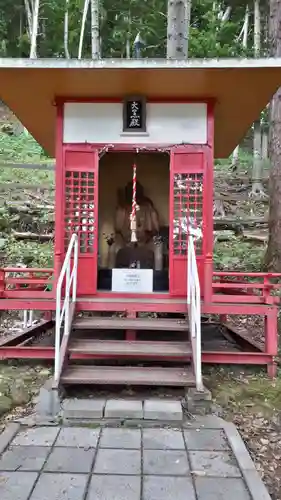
x,y
186,203
81,214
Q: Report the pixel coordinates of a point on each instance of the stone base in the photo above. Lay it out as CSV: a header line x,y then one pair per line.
x,y
162,410
124,409
48,405
83,409
197,402
121,410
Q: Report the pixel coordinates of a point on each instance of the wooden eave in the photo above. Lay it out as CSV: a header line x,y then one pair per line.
x,y
240,88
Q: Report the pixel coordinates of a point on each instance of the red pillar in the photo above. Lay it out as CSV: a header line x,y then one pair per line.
x,y
271,339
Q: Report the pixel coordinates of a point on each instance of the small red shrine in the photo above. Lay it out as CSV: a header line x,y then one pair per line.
x,y
134,143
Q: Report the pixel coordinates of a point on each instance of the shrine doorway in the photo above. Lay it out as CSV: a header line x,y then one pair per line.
x,y
116,252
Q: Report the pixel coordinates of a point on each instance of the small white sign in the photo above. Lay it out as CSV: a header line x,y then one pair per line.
x,y
132,280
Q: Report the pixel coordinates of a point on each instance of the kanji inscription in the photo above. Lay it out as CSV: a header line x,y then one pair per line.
x,y
134,115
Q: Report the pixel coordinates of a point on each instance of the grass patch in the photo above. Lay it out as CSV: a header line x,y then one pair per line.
x,y
238,255
21,148
245,393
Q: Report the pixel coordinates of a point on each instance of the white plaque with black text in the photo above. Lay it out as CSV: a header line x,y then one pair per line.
x,y
132,280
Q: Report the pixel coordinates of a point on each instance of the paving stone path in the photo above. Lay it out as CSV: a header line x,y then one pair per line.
x,y
117,463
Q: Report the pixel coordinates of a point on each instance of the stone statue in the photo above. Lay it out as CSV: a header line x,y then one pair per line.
x,y
145,249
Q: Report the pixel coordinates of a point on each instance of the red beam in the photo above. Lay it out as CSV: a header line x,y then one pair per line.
x,y
124,306
221,307
237,358
17,352
246,274
27,281
216,357
28,294
235,297
29,304
236,308
234,284
47,270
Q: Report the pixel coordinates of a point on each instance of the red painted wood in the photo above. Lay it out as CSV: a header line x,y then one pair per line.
x,y
28,294
59,194
212,357
220,297
28,302
208,223
187,167
38,270
26,281
2,283
270,327
245,274
81,212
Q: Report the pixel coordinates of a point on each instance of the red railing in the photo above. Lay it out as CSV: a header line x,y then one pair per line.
x,y
254,288
247,287
20,282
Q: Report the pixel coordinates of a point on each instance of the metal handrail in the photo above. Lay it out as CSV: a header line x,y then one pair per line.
x,y
194,308
62,310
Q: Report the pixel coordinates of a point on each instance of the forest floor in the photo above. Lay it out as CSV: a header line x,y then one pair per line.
x,y
246,397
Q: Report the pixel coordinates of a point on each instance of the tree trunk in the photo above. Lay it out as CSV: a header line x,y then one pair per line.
x,y
257,187
65,37
178,14
28,17
33,43
235,158
273,255
226,15
128,38
264,145
244,34
84,17
246,27
95,35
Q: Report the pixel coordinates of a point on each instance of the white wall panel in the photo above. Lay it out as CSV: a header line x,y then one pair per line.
x,y
169,123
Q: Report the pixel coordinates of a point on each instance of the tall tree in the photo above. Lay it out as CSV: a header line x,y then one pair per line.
x,y
244,36
84,17
178,21
257,187
34,29
273,255
66,30
95,32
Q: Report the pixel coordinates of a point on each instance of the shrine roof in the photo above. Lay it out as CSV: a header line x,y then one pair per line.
x,y
241,88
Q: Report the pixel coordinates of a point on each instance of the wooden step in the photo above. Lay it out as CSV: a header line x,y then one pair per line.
x,y
123,348
114,323
127,375
164,299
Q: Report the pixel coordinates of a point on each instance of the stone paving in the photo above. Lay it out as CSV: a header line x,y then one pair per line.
x,y
120,463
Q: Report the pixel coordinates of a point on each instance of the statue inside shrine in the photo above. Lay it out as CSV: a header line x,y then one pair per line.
x,y
146,252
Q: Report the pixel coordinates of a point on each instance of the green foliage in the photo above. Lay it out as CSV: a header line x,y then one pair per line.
x,y
211,37
237,255
22,147
26,176
32,254
120,21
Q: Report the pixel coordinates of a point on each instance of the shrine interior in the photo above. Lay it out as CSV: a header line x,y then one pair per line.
x,y
115,249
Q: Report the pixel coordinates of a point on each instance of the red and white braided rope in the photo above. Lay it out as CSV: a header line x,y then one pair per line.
x,y
134,206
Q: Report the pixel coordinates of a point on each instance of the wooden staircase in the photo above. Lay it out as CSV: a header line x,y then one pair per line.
x,y
163,363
